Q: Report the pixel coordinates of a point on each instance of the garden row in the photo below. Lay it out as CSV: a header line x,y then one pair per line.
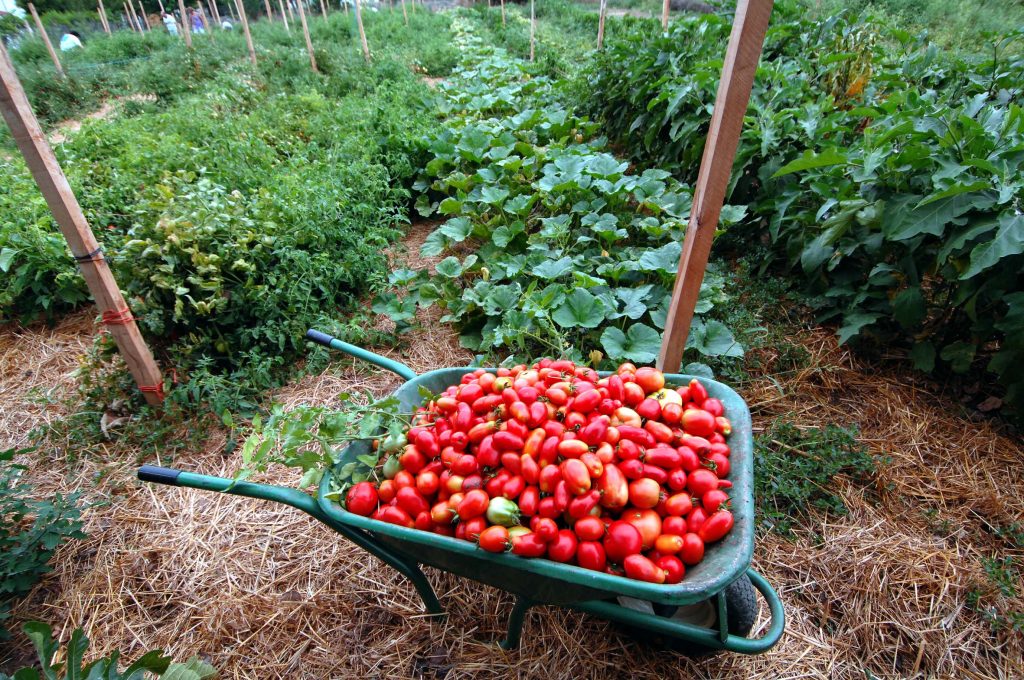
x,y
241,205
879,174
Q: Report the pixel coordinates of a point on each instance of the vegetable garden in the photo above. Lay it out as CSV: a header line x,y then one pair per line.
x,y
453,202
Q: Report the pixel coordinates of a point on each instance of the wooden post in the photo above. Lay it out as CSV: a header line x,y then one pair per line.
x,y
245,28
288,4
144,17
305,32
162,10
135,16
62,202
206,24
103,17
502,12
214,13
600,24
270,15
186,24
533,30
405,15
362,33
46,40
664,14
731,102
284,16
323,9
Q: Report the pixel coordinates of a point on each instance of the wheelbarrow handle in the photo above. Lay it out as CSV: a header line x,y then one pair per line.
x,y
268,492
396,367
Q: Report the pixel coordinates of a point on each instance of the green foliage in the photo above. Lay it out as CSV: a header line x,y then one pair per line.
x,y
795,469
887,180
30,532
106,668
567,249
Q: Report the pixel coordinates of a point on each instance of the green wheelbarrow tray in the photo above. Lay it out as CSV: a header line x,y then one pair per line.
x,y
539,581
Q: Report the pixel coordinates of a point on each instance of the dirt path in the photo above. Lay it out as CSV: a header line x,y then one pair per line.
x,y
262,591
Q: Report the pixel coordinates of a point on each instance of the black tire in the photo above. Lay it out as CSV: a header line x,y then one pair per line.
x,y
740,608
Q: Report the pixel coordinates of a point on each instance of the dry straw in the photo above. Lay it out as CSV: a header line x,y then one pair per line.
x,y
265,592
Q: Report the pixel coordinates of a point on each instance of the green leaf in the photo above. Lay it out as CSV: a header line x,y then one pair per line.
x,y
640,343
1009,241
811,160
713,339
153,661
434,244
909,307
923,356
699,370
493,195
853,323
633,300
552,269
46,647
193,669
6,257
932,218
449,267
580,309
664,259
457,229
959,354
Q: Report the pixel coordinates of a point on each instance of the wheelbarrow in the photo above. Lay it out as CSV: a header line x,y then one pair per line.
x,y
713,608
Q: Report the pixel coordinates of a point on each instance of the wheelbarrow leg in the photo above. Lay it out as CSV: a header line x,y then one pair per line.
x,y
515,622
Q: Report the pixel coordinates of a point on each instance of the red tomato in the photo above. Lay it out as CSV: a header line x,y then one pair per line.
x,y
469,393
664,457
589,529
632,469
423,522
698,422
716,526
410,500
575,475
563,548
412,459
545,528
659,431
640,568
693,549
547,508
506,441
714,500
650,379
622,539
403,479
633,394
529,499
441,513
550,476
361,499
474,527
513,487
528,545
594,465
678,505
697,392
677,479
393,514
647,522
613,487
473,505
584,505
690,459
673,568
466,464
723,426
427,483
644,493
671,414
649,408
387,490
494,539
673,525
720,464
585,402
590,555
699,482
668,544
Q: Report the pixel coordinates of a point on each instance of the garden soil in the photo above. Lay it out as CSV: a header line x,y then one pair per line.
x,y
264,592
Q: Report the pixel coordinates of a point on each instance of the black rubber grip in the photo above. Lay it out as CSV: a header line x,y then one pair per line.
x,y
159,475
319,337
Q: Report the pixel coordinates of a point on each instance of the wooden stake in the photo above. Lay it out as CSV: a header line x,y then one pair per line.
x,y
206,24
533,29
664,14
145,19
186,24
738,71
62,202
362,33
270,15
46,40
245,27
135,16
214,13
323,9
502,12
290,12
103,17
405,15
600,24
162,10
284,16
305,32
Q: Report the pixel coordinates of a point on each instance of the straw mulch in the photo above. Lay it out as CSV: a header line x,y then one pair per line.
x,y
264,592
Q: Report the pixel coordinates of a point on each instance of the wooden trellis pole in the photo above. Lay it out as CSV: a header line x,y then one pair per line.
x,y
502,12
533,30
309,42
128,18
600,24
46,40
144,18
323,9
284,16
103,17
405,15
291,13
186,24
206,24
741,57
245,28
664,14
362,33
214,13
270,15
62,202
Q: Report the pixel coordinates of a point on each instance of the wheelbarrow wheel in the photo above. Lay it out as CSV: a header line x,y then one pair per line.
x,y
740,608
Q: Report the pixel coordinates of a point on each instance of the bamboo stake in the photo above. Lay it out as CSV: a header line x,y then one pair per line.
x,y
46,40
270,15
600,24
323,9
145,19
284,16
405,15
135,16
533,29
362,33
186,24
103,17
305,32
664,14
68,214
731,102
130,13
245,27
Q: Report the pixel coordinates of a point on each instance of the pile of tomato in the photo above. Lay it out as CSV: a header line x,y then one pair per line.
x,y
618,474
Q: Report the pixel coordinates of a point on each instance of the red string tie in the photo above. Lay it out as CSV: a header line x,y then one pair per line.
x,y
118,317
157,389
